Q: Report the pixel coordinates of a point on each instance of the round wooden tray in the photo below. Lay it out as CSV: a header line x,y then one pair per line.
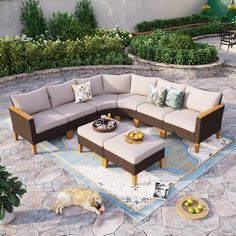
x,y
104,130
182,209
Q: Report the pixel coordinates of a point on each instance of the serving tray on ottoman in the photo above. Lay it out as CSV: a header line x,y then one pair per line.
x,y
93,140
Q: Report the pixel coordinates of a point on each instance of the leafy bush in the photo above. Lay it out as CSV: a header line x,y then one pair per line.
x,y
10,192
32,18
172,48
64,26
84,13
167,23
24,55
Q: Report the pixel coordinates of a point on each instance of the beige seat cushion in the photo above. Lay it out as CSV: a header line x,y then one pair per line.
x,y
130,101
140,84
74,111
105,101
116,83
61,93
49,119
87,132
166,84
134,153
154,111
32,102
184,118
96,84
199,99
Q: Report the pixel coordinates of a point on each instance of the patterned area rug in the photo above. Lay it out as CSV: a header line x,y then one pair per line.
x,y
181,167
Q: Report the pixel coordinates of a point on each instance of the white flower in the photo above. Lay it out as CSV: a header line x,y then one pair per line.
x,y
130,36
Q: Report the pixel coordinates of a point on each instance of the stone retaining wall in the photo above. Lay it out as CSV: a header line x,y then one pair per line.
x,y
180,71
142,67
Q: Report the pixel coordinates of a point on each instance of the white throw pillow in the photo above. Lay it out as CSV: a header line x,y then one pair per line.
x,y
82,92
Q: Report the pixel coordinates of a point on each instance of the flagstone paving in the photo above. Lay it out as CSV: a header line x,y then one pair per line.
x,y
44,179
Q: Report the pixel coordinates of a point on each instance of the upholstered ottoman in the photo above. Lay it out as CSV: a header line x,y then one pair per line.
x,y
94,140
133,158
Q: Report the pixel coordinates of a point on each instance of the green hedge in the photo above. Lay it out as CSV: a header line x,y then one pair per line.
x,y
212,28
19,55
172,48
174,22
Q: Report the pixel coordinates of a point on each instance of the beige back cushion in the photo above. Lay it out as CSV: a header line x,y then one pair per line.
x,y
166,84
140,84
61,93
95,82
32,102
199,99
116,83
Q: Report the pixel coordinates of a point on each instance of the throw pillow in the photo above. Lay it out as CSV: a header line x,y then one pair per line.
x,y
174,98
156,96
82,92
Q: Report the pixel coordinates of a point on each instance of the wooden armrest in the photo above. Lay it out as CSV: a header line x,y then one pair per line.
x,y
21,113
213,109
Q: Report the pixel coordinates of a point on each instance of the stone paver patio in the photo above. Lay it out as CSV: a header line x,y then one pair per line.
x,y
44,180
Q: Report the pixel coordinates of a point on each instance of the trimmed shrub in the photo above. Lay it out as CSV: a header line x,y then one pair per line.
x,y
24,55
174,22
64,26
84,13
172,48
32,18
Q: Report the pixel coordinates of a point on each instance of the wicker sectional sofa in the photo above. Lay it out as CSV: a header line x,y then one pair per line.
x,y
51,111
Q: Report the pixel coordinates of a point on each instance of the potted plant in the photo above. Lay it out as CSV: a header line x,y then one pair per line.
x,y
11,191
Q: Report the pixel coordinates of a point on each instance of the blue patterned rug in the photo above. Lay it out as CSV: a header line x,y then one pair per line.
x,y
181,167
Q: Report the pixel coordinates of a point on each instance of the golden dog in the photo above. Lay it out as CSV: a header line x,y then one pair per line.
x,y
86,198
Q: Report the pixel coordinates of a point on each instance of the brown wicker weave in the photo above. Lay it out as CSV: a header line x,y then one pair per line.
x,y
131,168
90,145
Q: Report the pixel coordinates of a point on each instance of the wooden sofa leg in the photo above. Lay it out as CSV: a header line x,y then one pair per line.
x,y
104,162
134,180
80,147
161,162
34,148
15,136
197,147
163,133
218,135
69,134
136,123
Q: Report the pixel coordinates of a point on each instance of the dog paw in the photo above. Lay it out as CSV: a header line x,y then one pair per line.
x,y
98,212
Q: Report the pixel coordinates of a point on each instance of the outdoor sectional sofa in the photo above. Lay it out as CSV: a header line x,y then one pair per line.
x,y
51,111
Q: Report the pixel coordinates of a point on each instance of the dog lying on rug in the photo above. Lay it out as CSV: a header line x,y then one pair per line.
x,y
86,198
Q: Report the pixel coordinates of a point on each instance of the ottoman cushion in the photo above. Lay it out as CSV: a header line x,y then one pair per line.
x,y
131,152
86,131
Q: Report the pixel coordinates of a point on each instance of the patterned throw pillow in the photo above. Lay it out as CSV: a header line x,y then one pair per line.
x,y
174,98
156,96
82,92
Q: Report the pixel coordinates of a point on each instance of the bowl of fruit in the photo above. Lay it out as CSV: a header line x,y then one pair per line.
x,y
134,137
191,207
